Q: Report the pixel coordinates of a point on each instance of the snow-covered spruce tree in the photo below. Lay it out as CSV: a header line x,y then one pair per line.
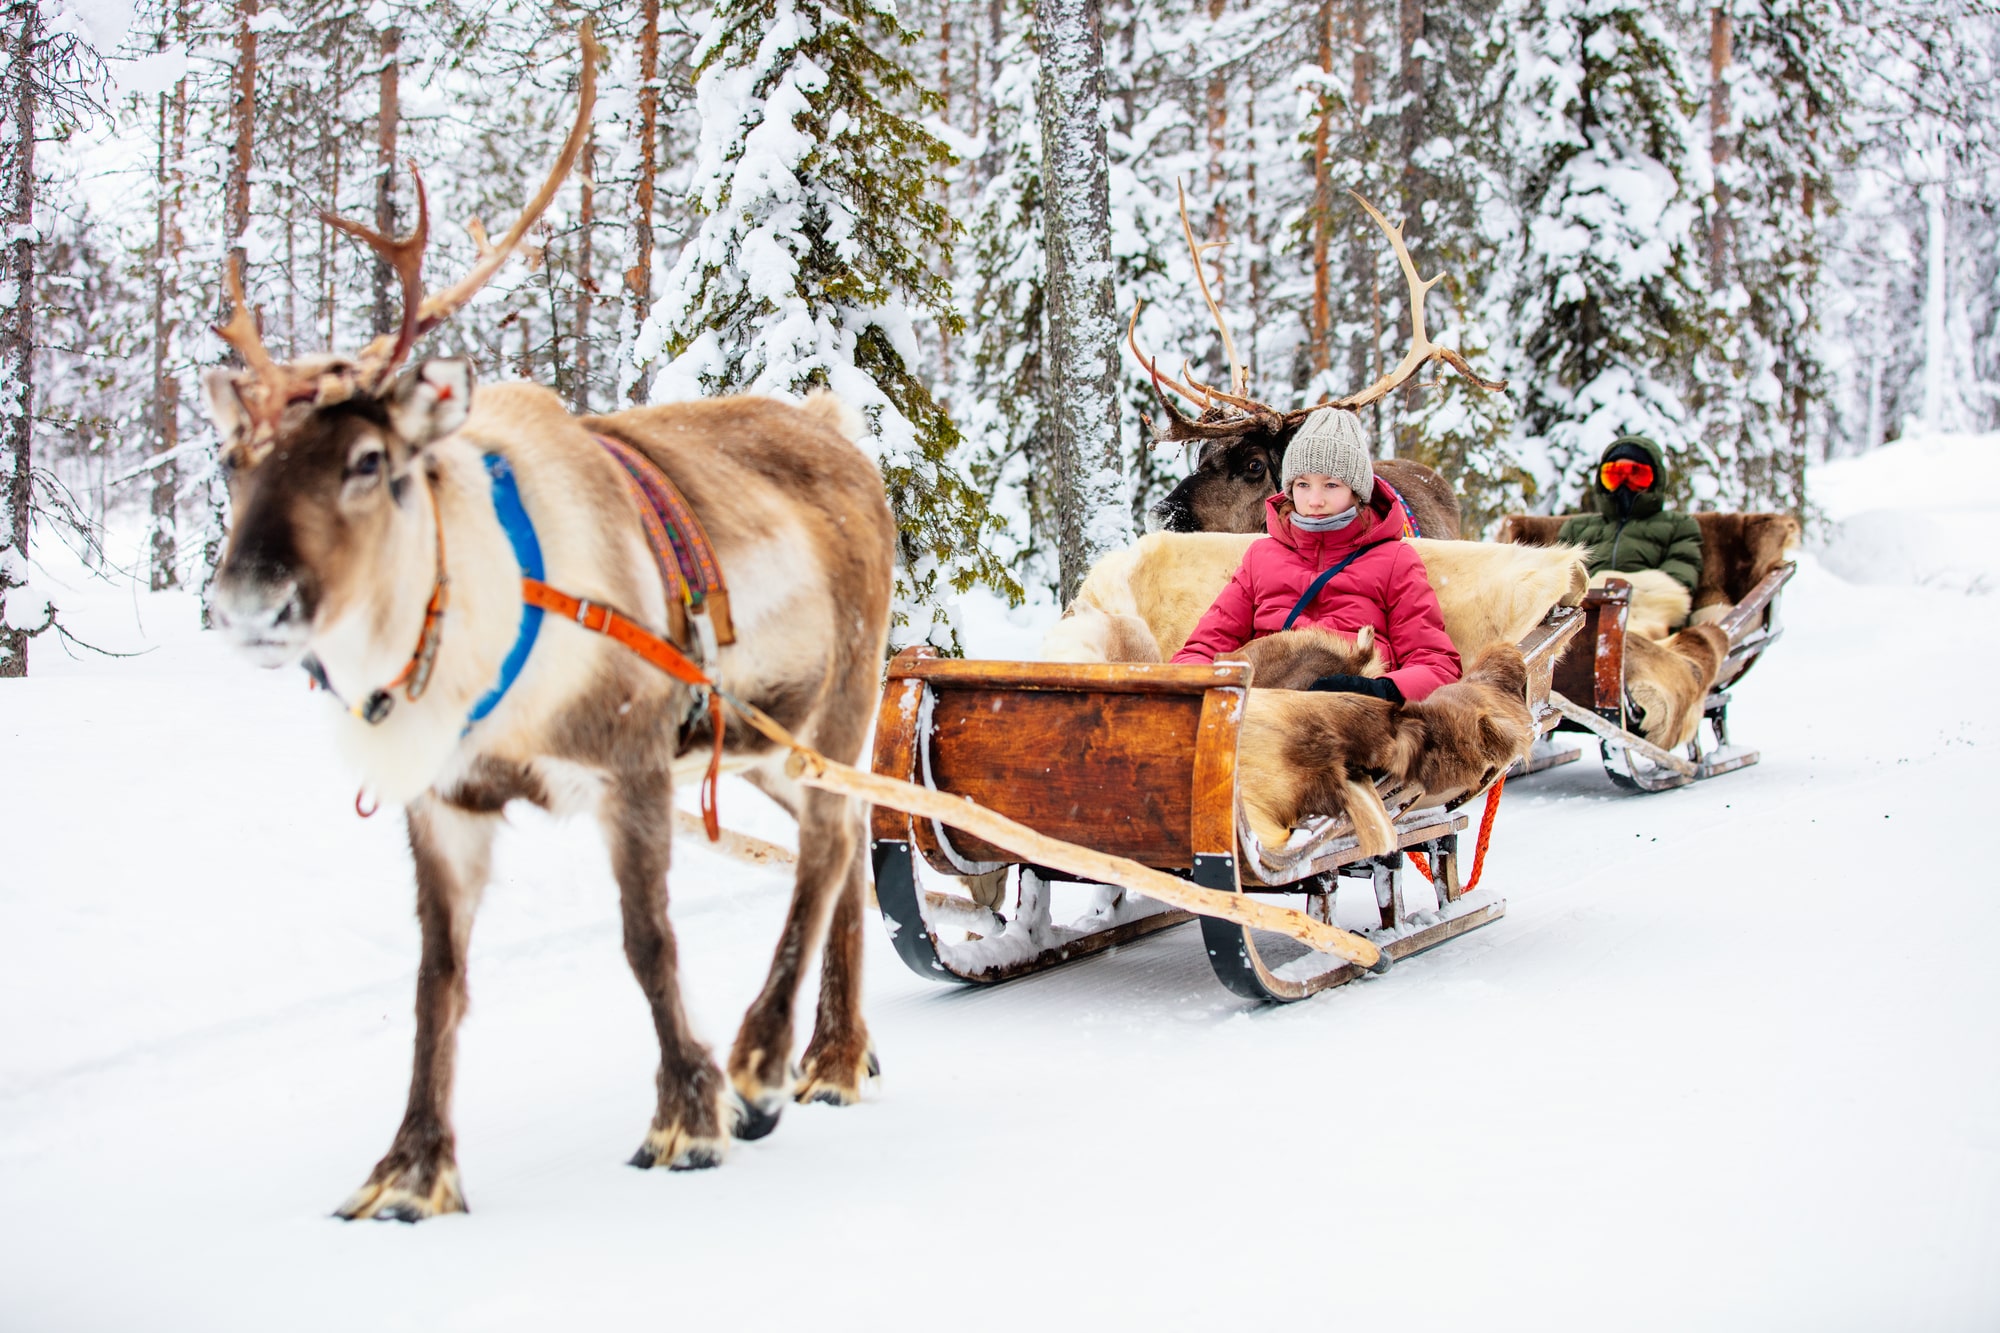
x,y
1000,389
1606,307
1786,70
814,186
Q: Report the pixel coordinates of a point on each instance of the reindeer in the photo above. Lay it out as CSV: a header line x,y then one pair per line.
x,y
1238,444
375,538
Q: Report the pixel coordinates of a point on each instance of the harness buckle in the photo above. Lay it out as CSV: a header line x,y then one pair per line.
x,y
583,612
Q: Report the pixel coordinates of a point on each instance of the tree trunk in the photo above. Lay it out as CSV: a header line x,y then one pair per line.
x,y
1719,41
639,278
1218,124
1935,348
1410,87
1322,208
1361,257
388,111
17,308
166,323
586,173
1092,516
235,226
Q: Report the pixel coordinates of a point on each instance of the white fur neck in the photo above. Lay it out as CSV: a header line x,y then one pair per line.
x,y
409,750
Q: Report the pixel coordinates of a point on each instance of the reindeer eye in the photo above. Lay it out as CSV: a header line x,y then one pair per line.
x,y
1256,468
367,465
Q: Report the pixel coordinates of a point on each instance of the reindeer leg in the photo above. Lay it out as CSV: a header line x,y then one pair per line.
x,y
418,1177
759,1062
840,1058
688,1130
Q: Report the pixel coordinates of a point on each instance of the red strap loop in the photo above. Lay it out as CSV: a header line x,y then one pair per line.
x,y
1422,862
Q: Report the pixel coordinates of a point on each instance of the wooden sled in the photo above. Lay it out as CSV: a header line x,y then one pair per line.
x,y
1589,689
1137,761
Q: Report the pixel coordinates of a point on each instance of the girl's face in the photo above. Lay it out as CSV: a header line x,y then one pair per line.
x,y
1316,495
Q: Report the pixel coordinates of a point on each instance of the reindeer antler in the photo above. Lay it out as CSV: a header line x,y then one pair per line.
x,y
406,257
1161,383
1238,379
1250,414
1422,349
379,359
271,387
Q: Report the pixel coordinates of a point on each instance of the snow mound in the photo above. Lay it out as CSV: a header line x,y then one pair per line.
x,y
1919,511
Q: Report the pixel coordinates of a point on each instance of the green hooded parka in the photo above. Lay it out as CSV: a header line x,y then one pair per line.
x,y
1635,530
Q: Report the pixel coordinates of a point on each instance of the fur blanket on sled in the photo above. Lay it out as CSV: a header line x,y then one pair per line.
x,y
1667,675
1139,604
1304,754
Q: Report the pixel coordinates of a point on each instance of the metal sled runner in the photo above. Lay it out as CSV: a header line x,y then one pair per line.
x,y
1138,761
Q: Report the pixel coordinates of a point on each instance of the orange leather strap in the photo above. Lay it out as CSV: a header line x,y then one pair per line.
x,y
601,619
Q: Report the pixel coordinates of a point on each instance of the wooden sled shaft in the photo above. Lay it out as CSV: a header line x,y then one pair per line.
x,y
816,770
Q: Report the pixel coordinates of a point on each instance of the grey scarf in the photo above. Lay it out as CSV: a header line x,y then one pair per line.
x,y
1325,522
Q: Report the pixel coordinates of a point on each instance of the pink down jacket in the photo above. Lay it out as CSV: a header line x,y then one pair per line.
x,y
1385,588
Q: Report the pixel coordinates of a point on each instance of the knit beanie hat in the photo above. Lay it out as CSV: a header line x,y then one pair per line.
x,y
1332,443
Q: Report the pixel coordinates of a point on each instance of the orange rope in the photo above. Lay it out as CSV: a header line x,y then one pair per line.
x,y
1422,862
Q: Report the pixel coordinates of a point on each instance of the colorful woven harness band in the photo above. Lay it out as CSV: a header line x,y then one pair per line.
x,y
688,567
1410,528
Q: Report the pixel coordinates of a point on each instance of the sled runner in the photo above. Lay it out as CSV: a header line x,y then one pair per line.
x,y
1745,566
1140,761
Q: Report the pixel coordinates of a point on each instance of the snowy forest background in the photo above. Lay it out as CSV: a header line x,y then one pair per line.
x,y
1766,232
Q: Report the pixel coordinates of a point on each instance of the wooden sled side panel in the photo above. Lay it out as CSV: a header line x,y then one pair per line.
x,y
1134,760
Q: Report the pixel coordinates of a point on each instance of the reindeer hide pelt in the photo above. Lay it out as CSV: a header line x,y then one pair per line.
x,y
1669,681
1488,592
1494,593
1659,601
1738,550
1304,754
1293,659
1086,634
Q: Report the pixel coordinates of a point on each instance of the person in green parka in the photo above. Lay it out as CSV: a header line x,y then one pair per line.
x,y
1632,528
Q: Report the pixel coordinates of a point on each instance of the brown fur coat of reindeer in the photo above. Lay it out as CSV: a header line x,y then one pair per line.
x,y
361,500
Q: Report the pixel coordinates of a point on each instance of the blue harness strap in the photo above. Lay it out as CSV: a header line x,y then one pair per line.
x,y
528,555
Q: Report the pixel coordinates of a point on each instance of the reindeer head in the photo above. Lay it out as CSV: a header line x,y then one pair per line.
x,y
1237,443
324,515
333,533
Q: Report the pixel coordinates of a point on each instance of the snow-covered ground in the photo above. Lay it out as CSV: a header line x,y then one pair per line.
x,y
1730,1061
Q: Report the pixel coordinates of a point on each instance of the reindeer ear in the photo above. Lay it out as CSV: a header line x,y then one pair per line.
x,y
224,404
432,401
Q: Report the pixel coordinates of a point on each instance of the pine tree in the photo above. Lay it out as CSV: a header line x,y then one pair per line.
x,y
813,186
1606,302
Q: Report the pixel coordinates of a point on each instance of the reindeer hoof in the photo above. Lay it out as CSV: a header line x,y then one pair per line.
x,y
396,1199
754,1121
833,1081
677,1150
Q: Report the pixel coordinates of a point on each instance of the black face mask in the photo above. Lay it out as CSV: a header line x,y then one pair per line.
x,y
1624,497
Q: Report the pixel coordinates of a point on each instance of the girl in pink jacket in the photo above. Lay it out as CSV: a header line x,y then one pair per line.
x,y
1335,558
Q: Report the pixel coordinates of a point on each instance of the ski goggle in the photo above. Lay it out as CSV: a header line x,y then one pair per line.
x,y
1626,472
